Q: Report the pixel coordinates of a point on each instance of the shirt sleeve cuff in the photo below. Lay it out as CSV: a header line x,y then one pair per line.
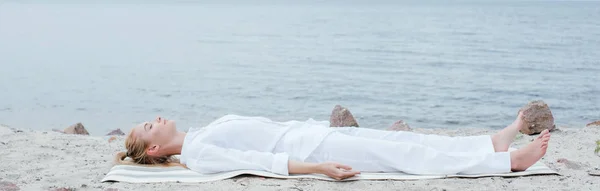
x,y
280,164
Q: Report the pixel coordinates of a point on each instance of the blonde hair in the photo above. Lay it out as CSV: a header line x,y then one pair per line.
x,y
136,151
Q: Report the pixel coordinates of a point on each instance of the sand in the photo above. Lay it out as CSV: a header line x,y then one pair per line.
x,y
47,160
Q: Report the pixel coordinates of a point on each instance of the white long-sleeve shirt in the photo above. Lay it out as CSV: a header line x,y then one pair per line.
x,y
248,143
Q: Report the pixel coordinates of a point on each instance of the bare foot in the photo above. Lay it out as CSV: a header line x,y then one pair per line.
x,y
506,136
523,158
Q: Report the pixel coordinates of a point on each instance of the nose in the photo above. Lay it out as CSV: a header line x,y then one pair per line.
x,y
158,119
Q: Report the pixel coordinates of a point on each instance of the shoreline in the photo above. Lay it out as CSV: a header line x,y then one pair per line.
x,y
47,160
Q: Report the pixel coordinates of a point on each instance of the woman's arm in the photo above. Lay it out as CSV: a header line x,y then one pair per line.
x,y
331,169
208,159
213,159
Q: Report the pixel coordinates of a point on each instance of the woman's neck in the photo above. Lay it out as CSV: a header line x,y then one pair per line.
x,y
175,146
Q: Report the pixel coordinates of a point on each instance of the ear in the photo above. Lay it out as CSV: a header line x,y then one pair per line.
x,y
153,150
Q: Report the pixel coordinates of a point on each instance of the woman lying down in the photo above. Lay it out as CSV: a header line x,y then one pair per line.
x,y
293,147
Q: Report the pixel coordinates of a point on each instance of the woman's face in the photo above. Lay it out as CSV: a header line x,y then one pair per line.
x,y
157,132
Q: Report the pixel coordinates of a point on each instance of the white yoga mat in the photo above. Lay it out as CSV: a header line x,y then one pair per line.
x,y
140,174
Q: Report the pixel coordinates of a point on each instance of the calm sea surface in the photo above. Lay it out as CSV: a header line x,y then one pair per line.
x,y
434,64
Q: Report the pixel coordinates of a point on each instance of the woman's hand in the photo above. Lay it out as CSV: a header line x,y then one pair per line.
x,y
336,171
331,169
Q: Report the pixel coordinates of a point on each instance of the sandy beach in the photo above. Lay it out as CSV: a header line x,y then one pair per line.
x,y
47,160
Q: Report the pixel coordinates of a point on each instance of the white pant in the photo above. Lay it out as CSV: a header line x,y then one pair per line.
x,y
370,150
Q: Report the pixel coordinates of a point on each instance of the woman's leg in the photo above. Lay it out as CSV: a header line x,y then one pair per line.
x,y
498,142
506,136
438,142
372,155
